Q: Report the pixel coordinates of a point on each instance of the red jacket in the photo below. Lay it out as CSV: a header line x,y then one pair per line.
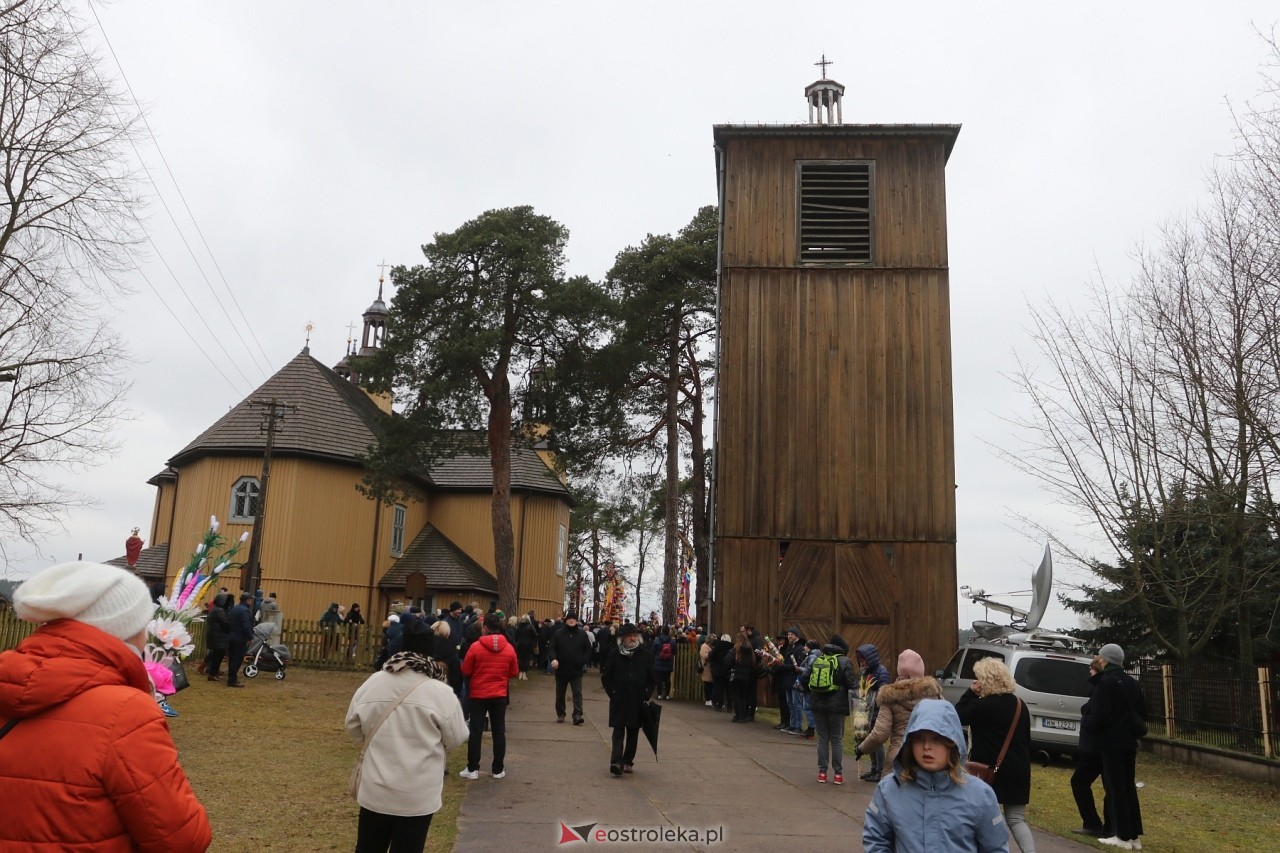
x,y
490,663
91,761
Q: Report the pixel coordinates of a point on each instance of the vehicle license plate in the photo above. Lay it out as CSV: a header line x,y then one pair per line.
x,y
1068,725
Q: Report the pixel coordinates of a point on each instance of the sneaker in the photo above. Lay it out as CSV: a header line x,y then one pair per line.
x,y
839,780
1135,844
469,774
627,768
707,703
794,731
1116,841
822,777
168,709
559,719
577,721
615,769
501,774
810,734
870,776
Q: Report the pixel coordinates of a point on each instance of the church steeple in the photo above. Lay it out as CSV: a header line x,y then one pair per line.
x,y
824,97
375,328
375,319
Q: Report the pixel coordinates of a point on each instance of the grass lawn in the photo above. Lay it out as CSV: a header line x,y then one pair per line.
x,y
270,762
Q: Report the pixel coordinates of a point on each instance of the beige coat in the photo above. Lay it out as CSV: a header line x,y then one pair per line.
x,y
704,654
404,763
896,702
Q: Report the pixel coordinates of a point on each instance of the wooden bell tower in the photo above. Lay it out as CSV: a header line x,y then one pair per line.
x,y
835,453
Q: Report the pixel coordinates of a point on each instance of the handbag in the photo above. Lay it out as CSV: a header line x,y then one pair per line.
x,y
180,680
353,778
987,772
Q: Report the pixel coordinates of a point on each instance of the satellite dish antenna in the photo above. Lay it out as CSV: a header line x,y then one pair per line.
x,y
1041,589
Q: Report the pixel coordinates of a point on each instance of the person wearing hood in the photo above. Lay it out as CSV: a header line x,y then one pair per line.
x,y
873,672
897,701
570,655
663,666
84,748
489,666
990,709
830,704
628,678
1116,719
929,804
217,636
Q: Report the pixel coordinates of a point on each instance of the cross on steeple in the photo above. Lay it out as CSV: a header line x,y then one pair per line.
x,y
382,269
824,62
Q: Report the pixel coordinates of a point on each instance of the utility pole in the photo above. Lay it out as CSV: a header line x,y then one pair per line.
x,y
273,412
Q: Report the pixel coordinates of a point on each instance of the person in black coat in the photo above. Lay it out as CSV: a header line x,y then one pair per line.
x,y
628,679
988,708
526,639
240,635
1089,767
217,633
1117,718
570,656
718,660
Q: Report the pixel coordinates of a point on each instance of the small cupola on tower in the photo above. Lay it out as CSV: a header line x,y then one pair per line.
x,y
824,97
375,321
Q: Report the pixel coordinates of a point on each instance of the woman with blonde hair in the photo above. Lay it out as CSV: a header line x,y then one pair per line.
x,y
990,709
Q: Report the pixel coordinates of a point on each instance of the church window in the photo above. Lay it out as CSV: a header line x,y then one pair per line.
x,y
397,532
562,548
835,211
244,500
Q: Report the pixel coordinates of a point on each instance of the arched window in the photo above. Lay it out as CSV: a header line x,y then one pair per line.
x,y
244,500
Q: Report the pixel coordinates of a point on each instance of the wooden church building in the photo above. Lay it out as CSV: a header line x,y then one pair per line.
x,y
323,541
835,455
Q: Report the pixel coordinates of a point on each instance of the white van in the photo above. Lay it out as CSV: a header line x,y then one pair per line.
x,y
1052,674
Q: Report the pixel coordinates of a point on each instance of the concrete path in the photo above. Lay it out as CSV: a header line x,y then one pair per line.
x,y
755,786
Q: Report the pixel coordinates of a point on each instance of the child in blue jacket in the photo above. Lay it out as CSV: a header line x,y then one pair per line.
x,y
930,804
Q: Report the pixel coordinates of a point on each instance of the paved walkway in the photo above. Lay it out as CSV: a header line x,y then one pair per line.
x,y
756,785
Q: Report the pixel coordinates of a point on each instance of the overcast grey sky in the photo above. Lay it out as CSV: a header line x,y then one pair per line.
x,y
311,141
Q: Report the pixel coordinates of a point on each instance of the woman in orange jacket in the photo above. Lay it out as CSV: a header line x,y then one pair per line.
x,y
85,748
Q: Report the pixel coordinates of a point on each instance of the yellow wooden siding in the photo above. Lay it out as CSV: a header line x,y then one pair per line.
x,y
162,513
909,223
536,520
466,520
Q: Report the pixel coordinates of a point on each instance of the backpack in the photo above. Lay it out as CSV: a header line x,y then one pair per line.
x,y
823,674
666,652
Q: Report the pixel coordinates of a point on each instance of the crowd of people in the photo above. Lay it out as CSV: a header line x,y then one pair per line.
x,y
443,679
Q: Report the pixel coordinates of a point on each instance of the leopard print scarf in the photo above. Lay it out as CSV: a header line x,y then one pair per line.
x,y
418,663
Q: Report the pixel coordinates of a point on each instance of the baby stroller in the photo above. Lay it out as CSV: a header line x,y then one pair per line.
x,y
265,655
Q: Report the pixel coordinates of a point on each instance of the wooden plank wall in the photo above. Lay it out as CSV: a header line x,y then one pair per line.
x,y
895,595
835,433
835,406
760,198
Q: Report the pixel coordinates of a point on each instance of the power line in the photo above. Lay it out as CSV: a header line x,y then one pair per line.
x,y
160,196
192,338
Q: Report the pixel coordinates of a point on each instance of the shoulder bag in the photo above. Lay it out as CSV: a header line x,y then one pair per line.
x,y
353,779
987,772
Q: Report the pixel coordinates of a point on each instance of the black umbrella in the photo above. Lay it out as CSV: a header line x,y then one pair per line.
x,y
650,718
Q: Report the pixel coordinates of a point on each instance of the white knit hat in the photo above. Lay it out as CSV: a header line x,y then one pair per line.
x,y
110,599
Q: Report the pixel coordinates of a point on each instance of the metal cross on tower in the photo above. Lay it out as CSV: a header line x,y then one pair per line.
x,y
824,62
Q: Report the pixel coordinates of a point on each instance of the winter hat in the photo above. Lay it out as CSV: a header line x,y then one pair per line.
x,y
628,629
910,665
572,614
725,638
110,599
1111,653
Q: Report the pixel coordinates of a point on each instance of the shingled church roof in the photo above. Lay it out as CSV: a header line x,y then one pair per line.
x,y
336,420
443,564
